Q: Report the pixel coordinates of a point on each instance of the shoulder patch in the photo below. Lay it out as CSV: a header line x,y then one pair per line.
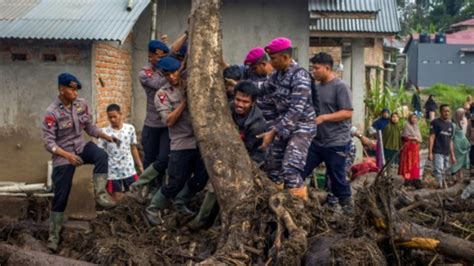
x,y
49,120
148,72
162,96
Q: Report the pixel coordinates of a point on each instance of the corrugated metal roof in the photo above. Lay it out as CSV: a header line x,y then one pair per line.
x,y
385,22
344,6
68,19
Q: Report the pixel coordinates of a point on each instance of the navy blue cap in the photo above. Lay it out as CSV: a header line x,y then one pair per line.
x,y
168,64
155,44
69,80
183,50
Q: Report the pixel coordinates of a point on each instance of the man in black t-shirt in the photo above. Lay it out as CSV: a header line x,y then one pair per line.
x,y
441,146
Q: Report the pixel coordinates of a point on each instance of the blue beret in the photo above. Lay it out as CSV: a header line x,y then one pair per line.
x,y
183,50
153,45
168,64
65,79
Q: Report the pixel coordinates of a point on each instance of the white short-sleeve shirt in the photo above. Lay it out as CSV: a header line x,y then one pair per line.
x,y
121,164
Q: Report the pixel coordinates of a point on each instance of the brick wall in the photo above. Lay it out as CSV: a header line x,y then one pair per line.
x,y
113,78
373,55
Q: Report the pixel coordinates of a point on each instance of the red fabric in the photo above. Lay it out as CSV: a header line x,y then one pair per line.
x,y
135,177
109,187
367,166
409,166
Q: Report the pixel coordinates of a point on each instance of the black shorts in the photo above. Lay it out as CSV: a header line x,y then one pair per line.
x,y
121,185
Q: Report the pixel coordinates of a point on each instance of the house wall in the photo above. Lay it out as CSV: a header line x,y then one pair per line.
x,y
141,36
112,63
372,55
412,57
442,63
27,89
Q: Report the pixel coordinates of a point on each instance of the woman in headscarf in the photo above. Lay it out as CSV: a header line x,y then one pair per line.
x,y
392,139
382,122
462,146
410,155
430,108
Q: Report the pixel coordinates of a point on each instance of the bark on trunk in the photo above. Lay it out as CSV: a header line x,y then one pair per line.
x,y
224,154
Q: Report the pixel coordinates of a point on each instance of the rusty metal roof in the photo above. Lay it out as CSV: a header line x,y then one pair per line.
x,y
386,20
69,19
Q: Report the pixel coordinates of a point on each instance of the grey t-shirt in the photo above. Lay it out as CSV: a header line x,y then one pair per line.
x,y
333,97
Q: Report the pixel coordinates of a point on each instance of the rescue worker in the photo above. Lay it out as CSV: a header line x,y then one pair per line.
x,y
155,137
63,128
185,159
291,132
250,122
332,145
257,68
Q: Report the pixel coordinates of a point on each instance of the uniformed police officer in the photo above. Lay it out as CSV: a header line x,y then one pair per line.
x,y
63,127
155,138
185,159
291,119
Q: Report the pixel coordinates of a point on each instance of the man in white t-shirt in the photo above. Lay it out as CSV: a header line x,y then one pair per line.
x,y
123,158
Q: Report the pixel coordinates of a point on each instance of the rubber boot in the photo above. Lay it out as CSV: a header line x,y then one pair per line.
x,y
101,196
182,199
347,205
153,211
204,211
55,224
137,187
299,192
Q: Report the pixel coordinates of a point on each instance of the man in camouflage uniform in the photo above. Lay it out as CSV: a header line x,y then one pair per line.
x,y
257,68
291,132
63,128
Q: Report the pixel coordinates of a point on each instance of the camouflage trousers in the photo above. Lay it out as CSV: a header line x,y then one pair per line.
x,y
287,158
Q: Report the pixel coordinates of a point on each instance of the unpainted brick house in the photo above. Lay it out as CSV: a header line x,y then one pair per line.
x,y
98,41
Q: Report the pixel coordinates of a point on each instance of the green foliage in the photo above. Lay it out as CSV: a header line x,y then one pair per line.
x,y
441,13
455,96
387,97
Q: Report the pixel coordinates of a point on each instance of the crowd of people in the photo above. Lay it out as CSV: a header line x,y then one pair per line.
x,y
290,119
449,142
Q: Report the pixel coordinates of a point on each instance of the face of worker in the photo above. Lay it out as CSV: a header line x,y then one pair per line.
x,y
115,118
262,68
385,115
445,113
154,57
321,72
280,61
394,118
173,77
413,119
242,103
68,93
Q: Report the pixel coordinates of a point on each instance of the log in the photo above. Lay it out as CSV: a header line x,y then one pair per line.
x,y
10,255
415,236
227,162
23,188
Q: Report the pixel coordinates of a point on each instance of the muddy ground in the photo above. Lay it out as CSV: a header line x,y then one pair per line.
x,y
123,237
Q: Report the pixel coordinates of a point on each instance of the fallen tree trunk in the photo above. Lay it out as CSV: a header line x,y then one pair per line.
x,y
415,236
10,255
